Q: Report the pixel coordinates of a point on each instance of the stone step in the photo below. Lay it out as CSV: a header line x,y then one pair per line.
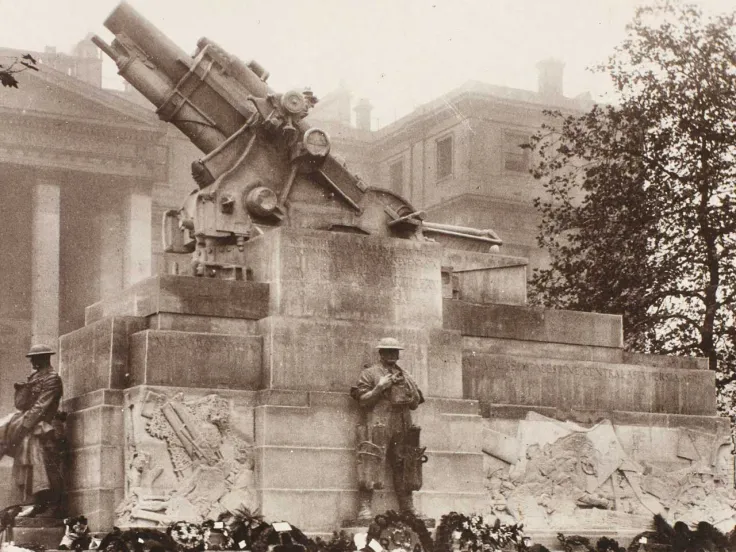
x,y
186,295
580,385
533,324
566,351
37,531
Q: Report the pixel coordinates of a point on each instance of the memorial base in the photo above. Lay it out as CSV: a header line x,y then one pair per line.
x,y
189,396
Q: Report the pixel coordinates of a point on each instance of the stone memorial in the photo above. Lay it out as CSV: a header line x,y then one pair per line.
x,y
192,395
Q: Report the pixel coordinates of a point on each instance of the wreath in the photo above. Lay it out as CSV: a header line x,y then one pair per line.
x,y
188,537
473,534
136,540
272,539
403,530
217,535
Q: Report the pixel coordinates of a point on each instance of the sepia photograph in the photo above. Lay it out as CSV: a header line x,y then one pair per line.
x,y
367,276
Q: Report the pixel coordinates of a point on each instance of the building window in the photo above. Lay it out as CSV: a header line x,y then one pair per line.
x,y
396,175
516,158
444,157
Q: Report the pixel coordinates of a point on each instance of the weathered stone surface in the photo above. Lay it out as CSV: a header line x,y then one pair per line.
x,y
98,505
349,277
94,398
96,356
202,324
533,324
549,473
318,468
186,295
327,355
329,421
188,359
541,349
96,466
662,361
100,425
189,454
501,379
487,278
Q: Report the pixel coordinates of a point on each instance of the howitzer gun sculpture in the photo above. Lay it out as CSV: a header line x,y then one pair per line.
x,y
264,166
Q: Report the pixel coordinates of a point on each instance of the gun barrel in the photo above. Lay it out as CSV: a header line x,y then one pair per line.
x,y
165,54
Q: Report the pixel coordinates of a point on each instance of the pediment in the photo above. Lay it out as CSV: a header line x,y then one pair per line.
x,y
49,92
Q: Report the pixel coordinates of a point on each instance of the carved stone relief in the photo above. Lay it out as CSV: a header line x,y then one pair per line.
x,y
556,475
188,458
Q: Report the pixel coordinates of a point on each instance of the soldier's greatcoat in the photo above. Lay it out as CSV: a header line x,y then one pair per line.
x,y
37,465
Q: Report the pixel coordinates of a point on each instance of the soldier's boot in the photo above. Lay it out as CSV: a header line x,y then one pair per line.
x,y
365,510
406,502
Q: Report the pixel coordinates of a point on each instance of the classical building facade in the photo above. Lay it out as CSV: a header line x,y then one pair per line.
x,y
87,174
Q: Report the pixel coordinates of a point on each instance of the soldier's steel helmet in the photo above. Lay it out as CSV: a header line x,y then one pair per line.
x,y
389,343
38,350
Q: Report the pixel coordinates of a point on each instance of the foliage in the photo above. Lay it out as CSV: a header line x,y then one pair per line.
x,y
394,530
18,65
639,217
473,534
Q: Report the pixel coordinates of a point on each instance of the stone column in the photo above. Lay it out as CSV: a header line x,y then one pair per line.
x,y
45,263
111,227
138,249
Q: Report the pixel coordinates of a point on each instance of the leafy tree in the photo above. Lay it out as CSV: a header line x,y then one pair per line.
x,y
640,214
18,65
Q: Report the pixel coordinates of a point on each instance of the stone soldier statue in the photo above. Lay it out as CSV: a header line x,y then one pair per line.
x,y
32,436
387,395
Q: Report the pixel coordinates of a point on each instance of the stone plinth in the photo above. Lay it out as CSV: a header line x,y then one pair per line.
x,y
306,456
342,276
533,324
579,385
185,295
190,396
487,278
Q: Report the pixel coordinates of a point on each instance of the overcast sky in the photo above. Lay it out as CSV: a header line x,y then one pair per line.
x,y
397,53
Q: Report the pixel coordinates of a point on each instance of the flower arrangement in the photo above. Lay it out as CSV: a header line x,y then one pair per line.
x,y
188,537
400,531
473,534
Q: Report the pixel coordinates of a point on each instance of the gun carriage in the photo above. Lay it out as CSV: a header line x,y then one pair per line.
x,y
263,164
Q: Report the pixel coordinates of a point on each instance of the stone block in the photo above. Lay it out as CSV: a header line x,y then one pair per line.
x,y
506,380
113,397
541,349
344,276
98,505
314,425
313,510
202,324
186,295
96,356
533,324
188,359
662,361
435,504
487,278
36,531
318,468
327,355
444,369
101,425
96,466
453,472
